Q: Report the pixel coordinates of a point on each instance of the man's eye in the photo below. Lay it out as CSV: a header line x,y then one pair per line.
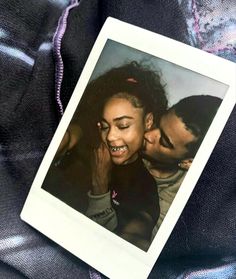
x,y
164,143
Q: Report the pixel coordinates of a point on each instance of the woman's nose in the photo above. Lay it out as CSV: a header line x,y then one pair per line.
x,y
111,135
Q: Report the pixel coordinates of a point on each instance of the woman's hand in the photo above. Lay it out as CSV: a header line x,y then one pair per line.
x,y
101,170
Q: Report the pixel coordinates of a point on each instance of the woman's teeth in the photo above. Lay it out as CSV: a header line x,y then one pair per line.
x,y
116,148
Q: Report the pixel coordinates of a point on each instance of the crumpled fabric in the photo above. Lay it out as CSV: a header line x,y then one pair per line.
x,y
211,26
43,48
28,119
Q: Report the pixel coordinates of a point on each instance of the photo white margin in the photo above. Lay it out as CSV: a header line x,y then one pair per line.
x,y
92,243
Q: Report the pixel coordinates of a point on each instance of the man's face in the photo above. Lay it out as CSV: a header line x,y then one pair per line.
x,y
168,143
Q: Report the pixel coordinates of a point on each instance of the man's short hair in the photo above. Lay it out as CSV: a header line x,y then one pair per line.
x,y
197,113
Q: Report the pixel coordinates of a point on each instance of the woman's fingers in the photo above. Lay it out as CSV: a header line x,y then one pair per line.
x,y
101,168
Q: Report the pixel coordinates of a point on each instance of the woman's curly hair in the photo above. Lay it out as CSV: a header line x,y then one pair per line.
x,y
142,84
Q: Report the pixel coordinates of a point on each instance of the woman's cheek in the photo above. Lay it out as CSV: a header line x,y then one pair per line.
x,y
103,137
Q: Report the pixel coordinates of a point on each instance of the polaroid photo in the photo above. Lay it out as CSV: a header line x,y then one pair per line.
x,y
146,113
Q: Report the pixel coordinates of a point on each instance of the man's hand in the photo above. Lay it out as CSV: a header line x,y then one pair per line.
x,y
70,139
101,170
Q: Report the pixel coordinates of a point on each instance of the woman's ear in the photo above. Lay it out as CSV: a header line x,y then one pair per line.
x,y
148,121
185,164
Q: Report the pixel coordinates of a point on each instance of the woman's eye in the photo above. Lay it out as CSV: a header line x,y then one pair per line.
x,y
122,127
104,128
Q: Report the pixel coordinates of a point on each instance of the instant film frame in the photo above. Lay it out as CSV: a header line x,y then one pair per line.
x,y
105,251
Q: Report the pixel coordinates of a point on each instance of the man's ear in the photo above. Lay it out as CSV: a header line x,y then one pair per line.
x,y
148,121
185,164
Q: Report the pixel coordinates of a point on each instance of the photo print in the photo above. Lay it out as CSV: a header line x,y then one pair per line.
x,y
137,132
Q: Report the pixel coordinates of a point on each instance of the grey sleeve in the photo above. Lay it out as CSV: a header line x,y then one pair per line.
x,y
101,211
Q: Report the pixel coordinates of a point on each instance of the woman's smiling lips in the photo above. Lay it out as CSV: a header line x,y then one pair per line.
x,y
117,150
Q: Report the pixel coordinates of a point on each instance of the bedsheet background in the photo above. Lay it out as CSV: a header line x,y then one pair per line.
x,y
43,48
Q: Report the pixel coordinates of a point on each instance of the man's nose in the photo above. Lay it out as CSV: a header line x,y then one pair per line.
x,y
151,136
148,136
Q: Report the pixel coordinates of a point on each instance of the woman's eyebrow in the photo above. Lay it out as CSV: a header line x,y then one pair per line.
x,y
117,119
122,117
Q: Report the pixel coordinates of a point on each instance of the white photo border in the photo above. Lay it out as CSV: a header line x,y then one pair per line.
x,y
106,252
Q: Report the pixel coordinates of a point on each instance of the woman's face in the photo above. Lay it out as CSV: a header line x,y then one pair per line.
x,y
122,130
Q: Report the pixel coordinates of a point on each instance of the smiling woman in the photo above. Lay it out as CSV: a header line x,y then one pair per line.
x,y
104,139
123,104
122,129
